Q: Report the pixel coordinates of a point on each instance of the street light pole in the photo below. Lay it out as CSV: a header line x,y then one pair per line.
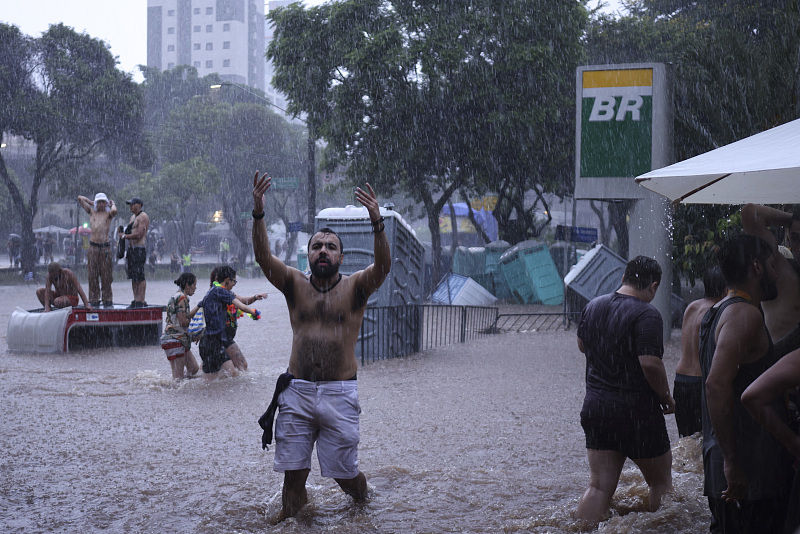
x,y
312,149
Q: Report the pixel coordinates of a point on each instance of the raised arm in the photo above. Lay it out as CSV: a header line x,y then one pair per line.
x,y
113,211
371,278
757,219
273,268
86,203
760,398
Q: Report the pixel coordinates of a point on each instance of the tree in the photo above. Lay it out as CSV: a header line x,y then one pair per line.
x,y
735,72
179,193
429,98
236,139
66,95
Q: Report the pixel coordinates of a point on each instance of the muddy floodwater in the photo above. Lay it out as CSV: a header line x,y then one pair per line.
x,y
480,437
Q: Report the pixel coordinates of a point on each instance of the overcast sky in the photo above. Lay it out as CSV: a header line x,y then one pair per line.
x,y
120,23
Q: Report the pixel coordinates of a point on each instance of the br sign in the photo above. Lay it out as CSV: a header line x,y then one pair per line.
x,y
617,115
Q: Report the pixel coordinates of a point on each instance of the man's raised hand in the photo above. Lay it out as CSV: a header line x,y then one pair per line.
x,y
369,201
260,186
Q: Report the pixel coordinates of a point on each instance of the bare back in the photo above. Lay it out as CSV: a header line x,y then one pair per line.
x,y
689,364
66,283
325,327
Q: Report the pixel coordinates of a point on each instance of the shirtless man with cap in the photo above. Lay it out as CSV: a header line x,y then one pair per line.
x,y
99,264
325,311
136,256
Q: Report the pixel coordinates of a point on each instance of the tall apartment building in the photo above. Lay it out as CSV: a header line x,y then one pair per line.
x,y
273,94
222,36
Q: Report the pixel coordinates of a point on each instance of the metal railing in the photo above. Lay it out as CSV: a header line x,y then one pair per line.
x,y
392,331
534,322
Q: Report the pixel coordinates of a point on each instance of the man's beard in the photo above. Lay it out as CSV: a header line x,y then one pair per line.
x,y
324,271
769,288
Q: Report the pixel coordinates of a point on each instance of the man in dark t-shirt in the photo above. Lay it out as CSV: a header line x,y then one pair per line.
x,y
627,393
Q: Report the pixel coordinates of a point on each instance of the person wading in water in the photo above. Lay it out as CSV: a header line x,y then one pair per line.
x,y
320,400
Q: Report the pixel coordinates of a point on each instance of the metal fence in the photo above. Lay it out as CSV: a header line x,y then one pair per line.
x,y
534,322
393,331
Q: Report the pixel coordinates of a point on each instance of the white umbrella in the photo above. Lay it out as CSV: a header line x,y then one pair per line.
x,y
50,230
763,169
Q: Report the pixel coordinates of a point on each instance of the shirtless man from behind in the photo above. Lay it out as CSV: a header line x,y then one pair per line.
x,y
137,251
782,315
688,386
66,289
320,402
99,264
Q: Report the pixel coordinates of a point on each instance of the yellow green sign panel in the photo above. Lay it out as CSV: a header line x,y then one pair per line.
x,y
616,122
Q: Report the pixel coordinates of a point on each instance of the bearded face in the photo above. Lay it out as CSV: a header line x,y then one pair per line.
x,y
324,255
322,267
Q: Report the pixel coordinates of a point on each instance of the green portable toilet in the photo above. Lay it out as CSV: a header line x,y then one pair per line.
x,y
531,275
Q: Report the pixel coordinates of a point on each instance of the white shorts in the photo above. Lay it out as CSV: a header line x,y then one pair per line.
x,y
325,412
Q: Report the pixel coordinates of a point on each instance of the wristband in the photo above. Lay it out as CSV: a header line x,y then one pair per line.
x,y
257,217
374,223
376,230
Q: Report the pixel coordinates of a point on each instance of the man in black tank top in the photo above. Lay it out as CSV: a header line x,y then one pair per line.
x,y
746,470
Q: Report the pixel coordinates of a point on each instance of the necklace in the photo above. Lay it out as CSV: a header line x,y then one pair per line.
x,y
311,279
739,293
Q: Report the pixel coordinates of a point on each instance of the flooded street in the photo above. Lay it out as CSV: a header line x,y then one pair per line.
x,y
482,437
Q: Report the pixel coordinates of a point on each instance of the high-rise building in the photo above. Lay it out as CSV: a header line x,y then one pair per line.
x,y
222,36
273,94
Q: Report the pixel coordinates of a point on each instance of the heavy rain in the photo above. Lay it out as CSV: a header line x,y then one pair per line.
x,y
535,261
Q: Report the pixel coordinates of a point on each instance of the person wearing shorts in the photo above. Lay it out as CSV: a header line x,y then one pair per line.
x,y
61,289
136,255
318,395
627,393
176,341
325,412
688,384
215,310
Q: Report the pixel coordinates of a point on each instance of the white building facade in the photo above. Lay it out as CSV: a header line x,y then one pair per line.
x,y
222,36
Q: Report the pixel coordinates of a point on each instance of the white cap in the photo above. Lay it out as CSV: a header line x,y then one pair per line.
x,y
100,196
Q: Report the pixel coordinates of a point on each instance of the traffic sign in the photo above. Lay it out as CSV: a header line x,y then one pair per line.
x,y
286,182
296,226
576,234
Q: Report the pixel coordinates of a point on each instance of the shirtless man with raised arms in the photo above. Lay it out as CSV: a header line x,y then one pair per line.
x,y
99,265
320,402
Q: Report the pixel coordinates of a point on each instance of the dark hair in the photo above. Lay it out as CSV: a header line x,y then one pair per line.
x,y
737,254
213,276
325,230
225,271
54,268
713,283
185,280
641,271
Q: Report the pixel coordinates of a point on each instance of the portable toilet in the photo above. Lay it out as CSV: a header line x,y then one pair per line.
x,y
598,272
498,286
383,333
531,275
